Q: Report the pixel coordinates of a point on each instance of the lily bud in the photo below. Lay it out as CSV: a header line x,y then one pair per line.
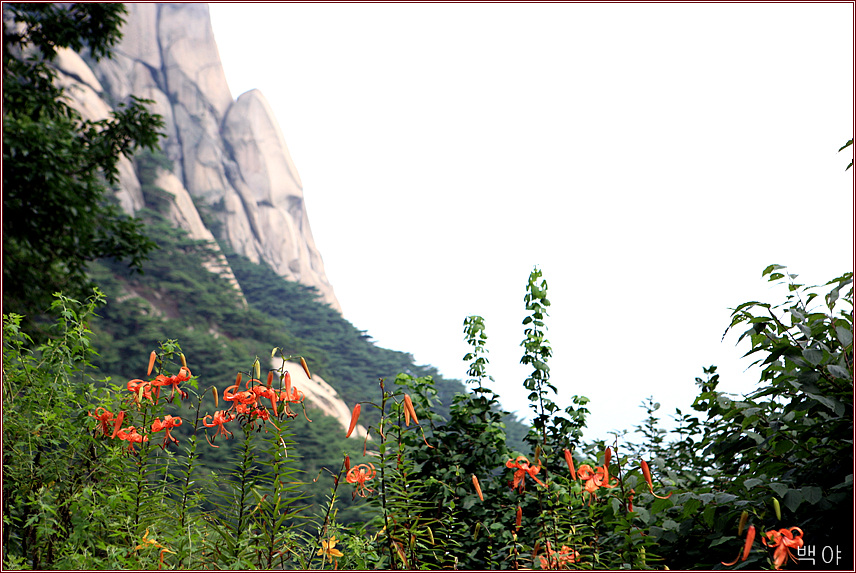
x,y
238,381
273,352
270,379
742,524
478,487
646,471
216,397
183,361
305,368
519,518
408,404
347,464
777,508
152,358
355,415
569,459
257,369
607,457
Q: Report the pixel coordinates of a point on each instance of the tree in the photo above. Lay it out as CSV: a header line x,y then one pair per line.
x,y
58,168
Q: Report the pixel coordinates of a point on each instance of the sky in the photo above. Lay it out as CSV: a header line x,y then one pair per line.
x,y
650,159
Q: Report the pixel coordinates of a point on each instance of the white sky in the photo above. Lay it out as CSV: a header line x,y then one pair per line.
x,y
651,159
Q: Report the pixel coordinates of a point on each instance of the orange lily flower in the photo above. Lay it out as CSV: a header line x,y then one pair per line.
x,y
646,471
182,376
105,417
747,546
558,559
169,422
523,468
130,433
358,475
783,540
240,400
136,385
220,419
594,479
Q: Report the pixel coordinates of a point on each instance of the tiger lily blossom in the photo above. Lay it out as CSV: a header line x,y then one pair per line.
x,y
169,422
182,376
105,417
140,388
747,546
783,540
220,418
594,479
358,475
559,559
523,469
130,433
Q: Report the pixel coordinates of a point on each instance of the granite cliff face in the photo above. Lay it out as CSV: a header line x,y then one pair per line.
x,y
227,155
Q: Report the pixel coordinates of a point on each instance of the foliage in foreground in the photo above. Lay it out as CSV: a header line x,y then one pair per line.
x,y
94,479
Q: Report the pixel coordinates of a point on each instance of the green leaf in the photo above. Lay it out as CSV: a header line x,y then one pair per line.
x,y
751,482
812,494
814,356
780,488
844,335
839,372
792,500
770,269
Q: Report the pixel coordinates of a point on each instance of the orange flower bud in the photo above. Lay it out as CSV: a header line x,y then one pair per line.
x,y
569,459
750,538
238,379
519,518
347,464
152,358
305,368
607,457
270,379
478,487
216,399
408,404
354,417
646,471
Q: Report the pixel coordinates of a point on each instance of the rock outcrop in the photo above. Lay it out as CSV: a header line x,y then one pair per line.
x,y
229,156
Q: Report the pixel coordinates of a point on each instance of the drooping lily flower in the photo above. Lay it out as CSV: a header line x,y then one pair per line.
x,y
523,469
358,475
241,401
182,376
594,479
747,546
130,433
220,419
559,559
140,388
105,417
783,540
646,471
169,422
